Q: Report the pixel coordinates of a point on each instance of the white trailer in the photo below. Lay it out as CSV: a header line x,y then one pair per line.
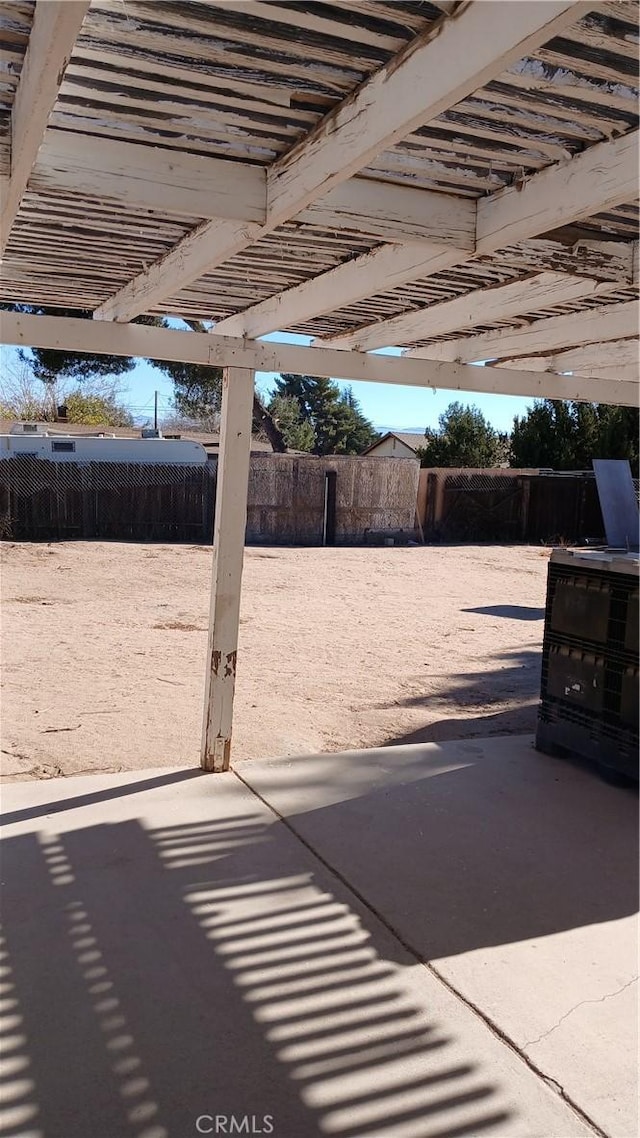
x,y
57,447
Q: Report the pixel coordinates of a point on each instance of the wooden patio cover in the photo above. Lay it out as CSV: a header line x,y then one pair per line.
x,y
457,179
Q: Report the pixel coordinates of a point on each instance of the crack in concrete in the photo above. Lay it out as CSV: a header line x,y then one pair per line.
x,y
600,1000
493,1027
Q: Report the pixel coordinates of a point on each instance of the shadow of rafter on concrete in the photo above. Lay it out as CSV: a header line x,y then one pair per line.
x,y
200,961
513,875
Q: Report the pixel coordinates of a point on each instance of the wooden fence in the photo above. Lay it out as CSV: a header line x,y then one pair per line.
x,y
42,500
509,506
293,500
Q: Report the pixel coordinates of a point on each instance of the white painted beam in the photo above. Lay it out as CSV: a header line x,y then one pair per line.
x,y
612,322
190,185
483,306
228,552
225,351
390,267
606,175
133,175
384,268
599,260
623,376
432,73
208,245
55,28
395,213
617,353
209,188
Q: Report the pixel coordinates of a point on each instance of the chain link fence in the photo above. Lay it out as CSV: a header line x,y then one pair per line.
x,y
42,499
508,505
26,475
488,480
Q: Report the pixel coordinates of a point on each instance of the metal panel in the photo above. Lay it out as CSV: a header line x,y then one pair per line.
x,y
617,502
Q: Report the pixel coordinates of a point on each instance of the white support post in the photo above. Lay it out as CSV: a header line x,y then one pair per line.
x,y
228,541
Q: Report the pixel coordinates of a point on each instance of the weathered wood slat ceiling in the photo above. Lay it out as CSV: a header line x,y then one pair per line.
x,y
526,319
246,81
15,25
51,226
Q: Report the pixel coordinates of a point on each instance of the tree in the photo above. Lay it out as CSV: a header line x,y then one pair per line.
x,y
463,438
561,435
296,431
198,395
362,432
23,396
334,417
95,409
48,364
197,388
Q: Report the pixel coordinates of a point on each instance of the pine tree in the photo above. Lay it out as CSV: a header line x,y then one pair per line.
x,y
561,435
334,417
464,438
296,431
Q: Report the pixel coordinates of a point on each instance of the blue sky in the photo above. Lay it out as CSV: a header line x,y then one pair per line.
x,y
387,406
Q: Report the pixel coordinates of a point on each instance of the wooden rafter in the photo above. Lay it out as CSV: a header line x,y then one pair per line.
x,y
188,261
151,178
56,24
483,306
622,375
611,322
211,188
615,353
395,213
433,72
390,267
602,177
386,268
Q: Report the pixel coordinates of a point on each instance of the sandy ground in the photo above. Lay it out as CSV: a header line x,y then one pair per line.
x,y
103,650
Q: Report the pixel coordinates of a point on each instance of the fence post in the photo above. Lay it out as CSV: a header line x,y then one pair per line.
x,y
232,482
430,511
86,495
525,485
207,527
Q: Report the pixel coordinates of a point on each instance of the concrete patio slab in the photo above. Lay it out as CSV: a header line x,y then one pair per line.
x,y
174,957
513,873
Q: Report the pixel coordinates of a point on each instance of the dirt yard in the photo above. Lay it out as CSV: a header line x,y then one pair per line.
x,y
104,648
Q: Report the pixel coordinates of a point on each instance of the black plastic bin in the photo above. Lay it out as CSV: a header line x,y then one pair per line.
x,y
590,695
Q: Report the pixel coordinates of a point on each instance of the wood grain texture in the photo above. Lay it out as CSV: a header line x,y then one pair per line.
x,y
225,351
611,322
541,290
170,120
56,24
